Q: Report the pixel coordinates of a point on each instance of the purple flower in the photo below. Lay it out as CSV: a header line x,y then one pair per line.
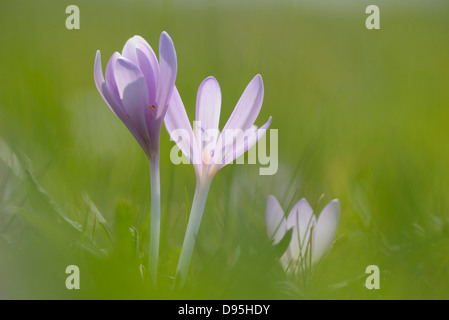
x,y
138,90
138,87
206,147
311,238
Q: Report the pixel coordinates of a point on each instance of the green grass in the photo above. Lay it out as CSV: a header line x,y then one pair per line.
x,y
362,117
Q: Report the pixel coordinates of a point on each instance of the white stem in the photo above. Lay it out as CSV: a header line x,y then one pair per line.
x,y
196,213
155,215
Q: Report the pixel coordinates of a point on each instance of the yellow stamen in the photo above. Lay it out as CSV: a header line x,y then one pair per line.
x,y
151,107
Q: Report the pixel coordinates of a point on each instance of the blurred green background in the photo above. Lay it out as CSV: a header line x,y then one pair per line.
x,y
362,116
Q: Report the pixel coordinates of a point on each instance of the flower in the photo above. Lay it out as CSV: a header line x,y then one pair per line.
x,y
138,88
206,148
138,91
311,237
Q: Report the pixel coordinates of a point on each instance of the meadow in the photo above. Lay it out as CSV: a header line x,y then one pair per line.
x,y
362,116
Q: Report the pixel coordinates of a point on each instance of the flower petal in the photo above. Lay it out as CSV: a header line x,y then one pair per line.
x,y
125,119
208,104
98,73
132,89
99,78
110,78
102,88
325,230
142,55
167,74
112,103
301,219
178,127
248,106
243,142
276,224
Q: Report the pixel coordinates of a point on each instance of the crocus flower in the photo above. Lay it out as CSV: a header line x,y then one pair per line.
x,y
138,89
208,149
311,237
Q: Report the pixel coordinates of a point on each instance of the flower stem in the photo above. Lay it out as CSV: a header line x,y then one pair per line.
x,y
155,215
196,213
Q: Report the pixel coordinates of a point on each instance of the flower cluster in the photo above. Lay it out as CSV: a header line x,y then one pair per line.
x,y
141,92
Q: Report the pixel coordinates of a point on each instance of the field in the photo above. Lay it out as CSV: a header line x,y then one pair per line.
x,y
362,116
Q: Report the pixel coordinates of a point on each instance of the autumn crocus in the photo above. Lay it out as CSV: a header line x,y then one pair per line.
x,y
138,89
207,148
311,237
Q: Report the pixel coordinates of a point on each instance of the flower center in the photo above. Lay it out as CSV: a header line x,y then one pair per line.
x,y
207,155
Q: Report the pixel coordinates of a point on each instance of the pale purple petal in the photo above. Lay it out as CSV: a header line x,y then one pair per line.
x,y
325,230
301,219
98,73
132,90
228,141
125,119
248,106
102,88
113,105
110,78
178,126
99,78
208,104
142,55
276,224
243,142
167,74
